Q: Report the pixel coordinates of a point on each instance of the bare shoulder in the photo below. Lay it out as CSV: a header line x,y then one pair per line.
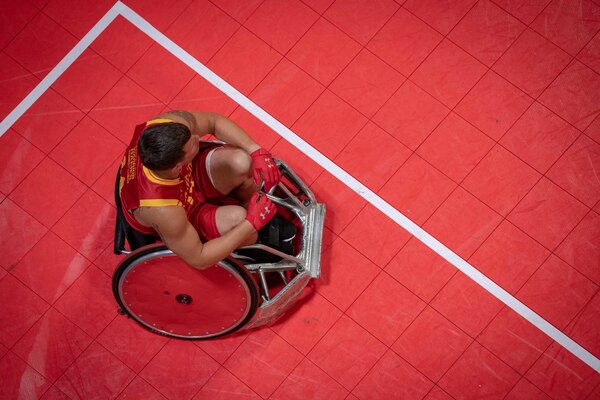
x,y
181,116
199,122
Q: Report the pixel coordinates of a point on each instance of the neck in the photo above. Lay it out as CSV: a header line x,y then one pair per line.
x,y
165,174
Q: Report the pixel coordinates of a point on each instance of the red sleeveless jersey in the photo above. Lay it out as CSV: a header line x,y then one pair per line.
x,y
139,187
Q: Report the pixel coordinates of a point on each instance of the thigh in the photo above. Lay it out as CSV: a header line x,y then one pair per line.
x,y
212,220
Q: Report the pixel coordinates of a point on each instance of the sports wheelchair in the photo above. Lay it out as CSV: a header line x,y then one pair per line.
x,y
252,287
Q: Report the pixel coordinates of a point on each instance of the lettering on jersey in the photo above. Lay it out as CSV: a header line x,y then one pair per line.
x,y
187,189
132,163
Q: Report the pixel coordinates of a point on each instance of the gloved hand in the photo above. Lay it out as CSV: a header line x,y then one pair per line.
x,y
264,169
260,210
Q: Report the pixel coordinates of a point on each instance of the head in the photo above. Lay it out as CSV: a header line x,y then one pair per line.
x,y
167,147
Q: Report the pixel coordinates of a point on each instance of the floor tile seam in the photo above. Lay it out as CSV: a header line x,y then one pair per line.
x,y
597,141
63,294
445,35
234,18
43,157
519,19
48,306
15,35
543,173
574,58
124,74
136,374
248,334
478,337
387,351
65,369
209,59
474,343
382,267
563,329
554,252
346,312
391,347
549,250
589,397
35,219
573,55
63,29
536,98
579,314
320,13
48,152
77,253
541,355
77,39
584,62
556,162
400,6
319,16
305,357
47,380
347,34
283,55
50,228
211,375
571,62
48,392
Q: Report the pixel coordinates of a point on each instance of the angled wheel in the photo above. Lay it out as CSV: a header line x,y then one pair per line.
x,y
164,294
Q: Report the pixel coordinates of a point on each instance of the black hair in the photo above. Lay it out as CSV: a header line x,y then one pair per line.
x,y
161,145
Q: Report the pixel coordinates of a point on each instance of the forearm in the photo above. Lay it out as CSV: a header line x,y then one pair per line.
x,y
226,130
217,249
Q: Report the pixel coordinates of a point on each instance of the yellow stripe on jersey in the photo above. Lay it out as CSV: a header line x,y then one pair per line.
x,y
158,121
160,202
160,181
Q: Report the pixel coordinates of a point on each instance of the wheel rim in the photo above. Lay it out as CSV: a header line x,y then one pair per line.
x,y
166,295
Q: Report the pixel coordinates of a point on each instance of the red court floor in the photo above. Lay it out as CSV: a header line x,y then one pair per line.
x,y
476,119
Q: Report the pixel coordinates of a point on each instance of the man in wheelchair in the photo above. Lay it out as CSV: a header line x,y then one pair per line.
x,y
203,200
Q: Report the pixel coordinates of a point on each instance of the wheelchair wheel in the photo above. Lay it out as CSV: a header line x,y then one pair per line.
x,y
165,295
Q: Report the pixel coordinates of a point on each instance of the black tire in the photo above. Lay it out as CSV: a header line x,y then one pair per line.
x,y
152,286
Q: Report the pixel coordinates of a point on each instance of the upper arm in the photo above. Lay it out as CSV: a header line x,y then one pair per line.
x,y
176,232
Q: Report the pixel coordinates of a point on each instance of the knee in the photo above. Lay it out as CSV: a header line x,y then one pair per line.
x,y
237,214
240,163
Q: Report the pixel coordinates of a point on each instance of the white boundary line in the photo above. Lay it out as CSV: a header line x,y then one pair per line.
x,y
431,242
61,67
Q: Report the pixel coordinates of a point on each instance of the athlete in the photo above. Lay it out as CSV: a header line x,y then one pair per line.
x,y
202,200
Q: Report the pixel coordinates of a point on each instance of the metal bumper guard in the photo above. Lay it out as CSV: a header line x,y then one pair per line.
x,y
300,200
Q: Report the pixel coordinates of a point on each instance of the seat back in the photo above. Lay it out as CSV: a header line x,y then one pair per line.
x,y
124,231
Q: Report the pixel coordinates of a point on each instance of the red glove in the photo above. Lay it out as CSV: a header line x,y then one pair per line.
x,y
264,169
260,210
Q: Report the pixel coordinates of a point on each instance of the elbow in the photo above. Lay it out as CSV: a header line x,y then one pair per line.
x,y
201,266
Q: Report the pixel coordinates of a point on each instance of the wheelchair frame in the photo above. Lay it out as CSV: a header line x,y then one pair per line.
x,y
264,301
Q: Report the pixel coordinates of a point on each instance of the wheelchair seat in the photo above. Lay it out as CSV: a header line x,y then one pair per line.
x,y
124,231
